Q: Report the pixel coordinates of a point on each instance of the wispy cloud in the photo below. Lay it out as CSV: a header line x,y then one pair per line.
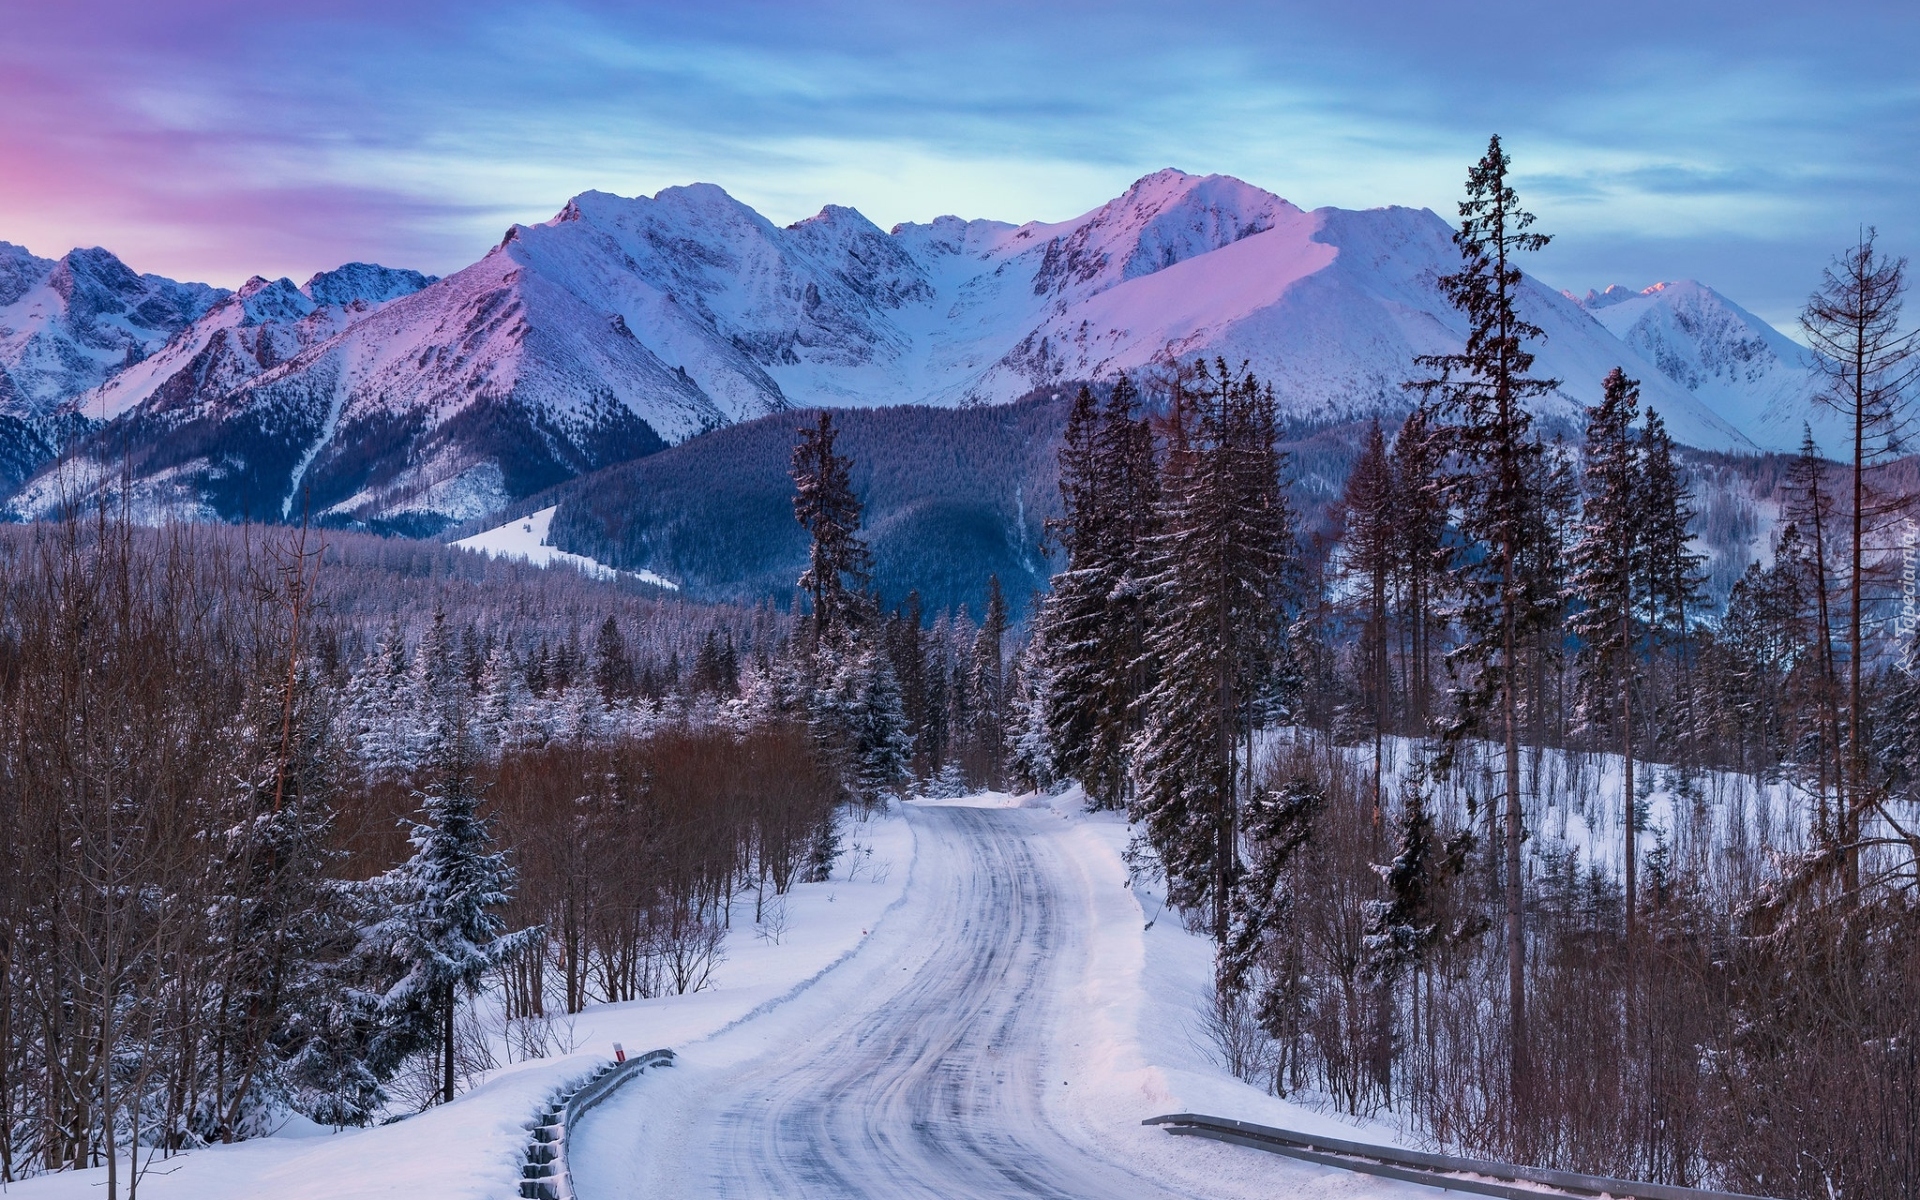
x,y
219,139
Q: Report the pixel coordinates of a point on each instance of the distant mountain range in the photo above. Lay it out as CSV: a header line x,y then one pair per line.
x,y
394,401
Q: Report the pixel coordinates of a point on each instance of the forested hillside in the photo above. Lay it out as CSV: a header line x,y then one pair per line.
x,y
952,496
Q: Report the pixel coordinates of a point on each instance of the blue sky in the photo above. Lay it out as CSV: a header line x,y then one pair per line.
x,y
1739,144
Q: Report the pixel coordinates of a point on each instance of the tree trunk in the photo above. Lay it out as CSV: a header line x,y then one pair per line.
x,y
446,1043
1516,913
1626,790
1855,763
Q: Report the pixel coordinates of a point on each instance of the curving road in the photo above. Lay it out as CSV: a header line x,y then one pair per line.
x,y
926,1076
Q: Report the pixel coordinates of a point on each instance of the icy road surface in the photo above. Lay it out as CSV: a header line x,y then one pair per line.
x,y
937,1061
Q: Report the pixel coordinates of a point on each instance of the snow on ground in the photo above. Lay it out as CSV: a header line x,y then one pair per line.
x,y
1022,1063
525,538
1100,987
1137,1038
470,1149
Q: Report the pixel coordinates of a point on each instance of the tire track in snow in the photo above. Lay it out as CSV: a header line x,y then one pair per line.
x,y
929,1080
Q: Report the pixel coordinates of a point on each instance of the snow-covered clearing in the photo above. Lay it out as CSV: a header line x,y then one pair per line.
x,y
1731,825
525,538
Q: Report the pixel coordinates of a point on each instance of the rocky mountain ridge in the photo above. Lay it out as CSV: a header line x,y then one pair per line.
x,y
624,325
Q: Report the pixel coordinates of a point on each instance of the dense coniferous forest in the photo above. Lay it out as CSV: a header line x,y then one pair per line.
x,y
1505,816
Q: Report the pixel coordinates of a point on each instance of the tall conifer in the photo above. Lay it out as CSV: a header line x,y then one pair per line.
x,y
1477,400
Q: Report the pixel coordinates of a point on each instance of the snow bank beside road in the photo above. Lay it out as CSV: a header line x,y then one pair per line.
x,y
1134,1047
470,1149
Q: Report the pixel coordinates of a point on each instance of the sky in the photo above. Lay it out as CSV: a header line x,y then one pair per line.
x,y
1740,144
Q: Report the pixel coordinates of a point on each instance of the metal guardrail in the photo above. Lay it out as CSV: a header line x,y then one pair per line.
x,y
1432,1170
544,1175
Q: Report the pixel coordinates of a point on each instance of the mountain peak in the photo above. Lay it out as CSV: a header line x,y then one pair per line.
x,y
1617,294
1164,218
370,283
837,216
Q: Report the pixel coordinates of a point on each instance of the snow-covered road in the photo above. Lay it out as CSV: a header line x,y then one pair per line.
x,y
939,1060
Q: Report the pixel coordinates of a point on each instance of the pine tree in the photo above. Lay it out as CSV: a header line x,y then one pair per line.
x,y
1810,508
838,562
1371,537
1224,580
383,714
906,647
612,668
1610,574
986,671
1403,928
1094,615
1870,365
1422,553
1030,755
1676,586
442,930
876,727
436,692
1478,398
1280,824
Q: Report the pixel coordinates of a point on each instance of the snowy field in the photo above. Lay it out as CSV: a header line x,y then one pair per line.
x,y
1082,1019
525,538
1732,826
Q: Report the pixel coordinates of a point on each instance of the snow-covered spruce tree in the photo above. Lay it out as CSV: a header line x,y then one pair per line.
x,y
612,665
1476,402
1404,928
1609,576
1259,956
1769,675
838,562
1030,757
1223,581
442,932
1094,614
1871,366
875,727
437,690
906,642
381,711
1544,565
987,682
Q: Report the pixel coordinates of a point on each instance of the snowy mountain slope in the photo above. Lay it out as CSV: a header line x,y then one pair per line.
x,y
246,334
439,406
65,326
621,325
527,540
1732,361
69,325
1332,305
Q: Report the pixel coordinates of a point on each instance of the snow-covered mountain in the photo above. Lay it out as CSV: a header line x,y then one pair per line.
x,y
246,334
65,326
70,324
1732,361
622,325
